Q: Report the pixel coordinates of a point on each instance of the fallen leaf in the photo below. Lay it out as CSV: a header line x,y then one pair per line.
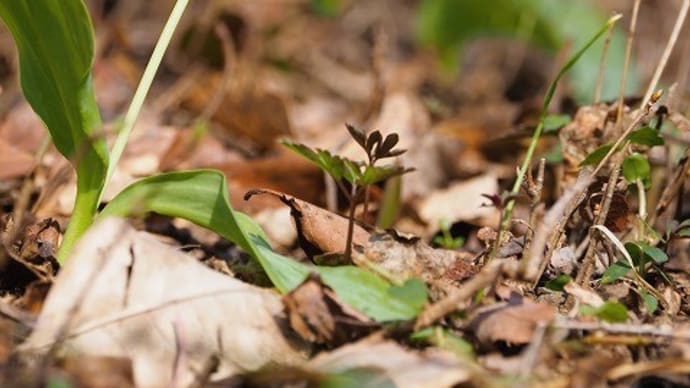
x,y
317,315
99,372
248,110
138,298
14,162
406,368
319,231
403,259
513,323
462,201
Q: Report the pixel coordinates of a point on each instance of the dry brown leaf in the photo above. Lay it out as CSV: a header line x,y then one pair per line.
x,y
247,110
406,368
317,315
462,201
415,259
14,162
282,171
319,230
514,323
136,297
99,372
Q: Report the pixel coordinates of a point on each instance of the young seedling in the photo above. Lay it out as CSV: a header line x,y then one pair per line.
x,y
359,175
55,44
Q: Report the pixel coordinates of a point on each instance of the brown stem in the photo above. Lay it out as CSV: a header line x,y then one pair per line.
x,y
588,263
351,222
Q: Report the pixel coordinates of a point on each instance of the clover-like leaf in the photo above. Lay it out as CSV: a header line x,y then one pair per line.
x,y
388,143
636,166
374,139
358,135
646,136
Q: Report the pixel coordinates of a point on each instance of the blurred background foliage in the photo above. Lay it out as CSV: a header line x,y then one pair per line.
x,y
448,25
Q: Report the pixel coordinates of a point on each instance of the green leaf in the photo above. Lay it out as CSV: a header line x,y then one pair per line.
x,y
553,122
328,8
448,24
649,301
646,136
597,155
636,166
615,271
54,40
610,311
654,253
413,291
201,196
557,283
375,174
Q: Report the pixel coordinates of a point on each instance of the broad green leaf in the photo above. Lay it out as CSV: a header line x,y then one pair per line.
x,y
413,291
654,253
597,155
646,136
649,301
636,166
615,271
448,24
54,40
557,283
201,196
610,311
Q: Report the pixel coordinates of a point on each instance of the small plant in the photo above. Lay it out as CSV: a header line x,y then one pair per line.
x,y
446,239
55,44
359,175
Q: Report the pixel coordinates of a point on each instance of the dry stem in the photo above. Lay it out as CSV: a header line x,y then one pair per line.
x,y
667,51
451,302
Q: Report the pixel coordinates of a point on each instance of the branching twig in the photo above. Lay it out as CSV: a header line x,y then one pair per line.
x,y
450,303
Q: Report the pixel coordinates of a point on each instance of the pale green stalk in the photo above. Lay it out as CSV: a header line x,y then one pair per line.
x,y
540,127
145,84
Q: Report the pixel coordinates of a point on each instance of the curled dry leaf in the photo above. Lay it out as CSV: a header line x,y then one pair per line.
x,y
317,315
406,368
319,231
125,294
513,323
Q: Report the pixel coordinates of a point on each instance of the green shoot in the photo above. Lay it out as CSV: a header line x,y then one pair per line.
x,y
507,213
359,175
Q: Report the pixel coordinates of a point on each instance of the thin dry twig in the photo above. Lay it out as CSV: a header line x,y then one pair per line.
x,y
667,51
602,65
626,64
587,267
450,303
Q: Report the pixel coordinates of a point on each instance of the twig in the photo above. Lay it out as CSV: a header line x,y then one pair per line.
x,y
626,63
585,272
667,331
667,51
451,302
532,269
602,65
